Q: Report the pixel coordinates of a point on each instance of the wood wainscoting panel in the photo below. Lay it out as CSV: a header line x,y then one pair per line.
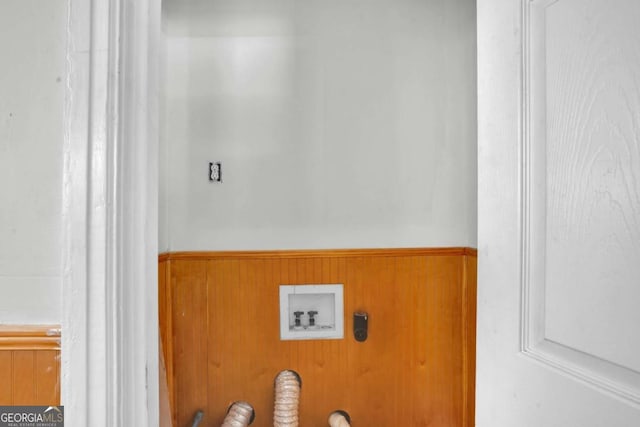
x,y
190,338
29,365
416,368
6,373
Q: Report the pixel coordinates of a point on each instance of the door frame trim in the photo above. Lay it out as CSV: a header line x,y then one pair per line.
x,y
109,219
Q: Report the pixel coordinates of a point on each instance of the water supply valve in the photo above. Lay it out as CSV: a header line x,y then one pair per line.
x,y
298,322
312,320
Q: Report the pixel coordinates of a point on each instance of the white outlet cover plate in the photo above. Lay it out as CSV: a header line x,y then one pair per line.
x,y
337,329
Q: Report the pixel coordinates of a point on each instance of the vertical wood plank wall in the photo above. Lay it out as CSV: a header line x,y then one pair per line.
x,y
29,365
220,333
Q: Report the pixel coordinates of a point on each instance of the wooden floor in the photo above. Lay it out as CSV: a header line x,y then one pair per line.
x,y
220,330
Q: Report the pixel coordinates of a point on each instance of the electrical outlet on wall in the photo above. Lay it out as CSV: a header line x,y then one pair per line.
x,y
215,171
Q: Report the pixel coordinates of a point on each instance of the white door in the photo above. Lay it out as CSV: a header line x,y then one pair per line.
x,y
558,339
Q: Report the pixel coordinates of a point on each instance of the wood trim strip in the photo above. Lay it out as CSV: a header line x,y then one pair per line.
x,y
30,337
166,330
319,253
469,301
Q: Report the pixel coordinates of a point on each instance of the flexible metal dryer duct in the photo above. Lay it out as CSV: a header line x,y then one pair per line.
x,y
287,389
339,418
240,414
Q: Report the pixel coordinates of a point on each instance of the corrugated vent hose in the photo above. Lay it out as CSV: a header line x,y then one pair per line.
x,y
339,418
239,414
287,389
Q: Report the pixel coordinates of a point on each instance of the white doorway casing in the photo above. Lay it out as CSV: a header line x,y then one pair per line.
x,y
559,213
110,339
109,288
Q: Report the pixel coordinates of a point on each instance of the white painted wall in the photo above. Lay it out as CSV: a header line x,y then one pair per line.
x,y
32,84
339,124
